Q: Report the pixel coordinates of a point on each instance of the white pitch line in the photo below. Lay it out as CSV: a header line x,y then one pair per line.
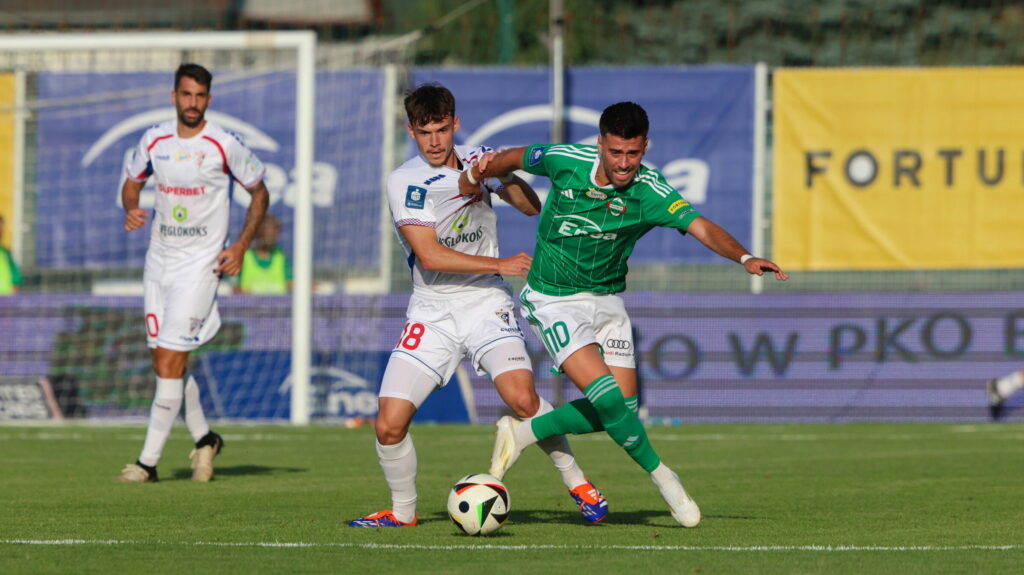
x,y
489,547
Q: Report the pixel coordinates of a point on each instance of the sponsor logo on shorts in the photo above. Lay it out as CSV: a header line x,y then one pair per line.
x,y
517,358
596,194
617,344
617,206
536,155
503,316
182,231
195,324
415,197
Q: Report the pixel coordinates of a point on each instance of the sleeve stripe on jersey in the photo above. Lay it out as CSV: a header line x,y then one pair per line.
x,y
588,151
651,180
142,177
577,156
153,143
415,222
223,156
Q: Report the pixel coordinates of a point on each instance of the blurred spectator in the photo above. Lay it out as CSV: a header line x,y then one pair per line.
x,y
266,269
999,390
10,275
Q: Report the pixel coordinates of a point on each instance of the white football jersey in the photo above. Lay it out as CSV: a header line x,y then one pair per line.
x,y
193,178
422,195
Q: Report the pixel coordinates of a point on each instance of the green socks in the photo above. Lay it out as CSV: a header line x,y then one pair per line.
x,y
576,417
603,409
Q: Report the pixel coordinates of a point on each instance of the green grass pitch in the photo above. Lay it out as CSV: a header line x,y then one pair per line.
x,y
865,498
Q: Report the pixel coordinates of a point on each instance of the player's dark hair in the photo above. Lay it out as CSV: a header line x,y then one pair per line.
x,y
429,103
196,72
626,120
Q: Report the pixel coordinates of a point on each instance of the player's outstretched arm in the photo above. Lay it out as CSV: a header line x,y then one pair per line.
x,y
134,216
435,257
715,238
521,196
490,166
230,260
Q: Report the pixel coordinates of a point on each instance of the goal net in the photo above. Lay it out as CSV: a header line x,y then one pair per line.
x,y
73,106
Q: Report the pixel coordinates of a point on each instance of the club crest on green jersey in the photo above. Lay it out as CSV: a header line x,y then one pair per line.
x,y
616,206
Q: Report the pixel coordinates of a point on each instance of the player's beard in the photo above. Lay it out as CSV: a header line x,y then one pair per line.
x,y
191,123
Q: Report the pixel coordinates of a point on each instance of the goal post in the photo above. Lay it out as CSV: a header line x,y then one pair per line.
x,y
303,44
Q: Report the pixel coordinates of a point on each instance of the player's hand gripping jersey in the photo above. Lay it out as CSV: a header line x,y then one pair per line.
x,y
193,182
422,195
586,232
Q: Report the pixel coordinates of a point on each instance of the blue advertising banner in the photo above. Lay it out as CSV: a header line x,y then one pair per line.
x,y
705,357
88,122
344,386
702,137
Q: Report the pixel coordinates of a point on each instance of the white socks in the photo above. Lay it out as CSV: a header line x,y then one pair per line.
x,y
166,405
557,448
662,475
194,417
398,462
1006,386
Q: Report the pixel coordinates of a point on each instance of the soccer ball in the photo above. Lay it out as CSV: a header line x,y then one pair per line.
x,y
479,504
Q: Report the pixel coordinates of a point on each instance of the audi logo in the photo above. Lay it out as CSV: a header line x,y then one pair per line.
x,y
618,344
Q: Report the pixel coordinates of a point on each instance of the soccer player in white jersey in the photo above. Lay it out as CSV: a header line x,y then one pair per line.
x,y
195,163
460,306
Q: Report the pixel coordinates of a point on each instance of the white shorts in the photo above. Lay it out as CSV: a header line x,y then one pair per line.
x,y
441,331
567,323
180,314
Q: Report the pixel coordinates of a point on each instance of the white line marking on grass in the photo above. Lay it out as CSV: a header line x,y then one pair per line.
x,y
490,547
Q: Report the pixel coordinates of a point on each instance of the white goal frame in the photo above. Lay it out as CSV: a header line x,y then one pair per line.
x,y
304,44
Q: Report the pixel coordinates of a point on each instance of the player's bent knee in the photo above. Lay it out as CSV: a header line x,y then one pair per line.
x,y
525,405
388,434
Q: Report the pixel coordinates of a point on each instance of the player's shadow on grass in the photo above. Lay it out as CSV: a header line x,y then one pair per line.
x,y
235,470
635,517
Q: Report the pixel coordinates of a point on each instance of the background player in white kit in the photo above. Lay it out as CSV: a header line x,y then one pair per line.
x,y
194,163
460,304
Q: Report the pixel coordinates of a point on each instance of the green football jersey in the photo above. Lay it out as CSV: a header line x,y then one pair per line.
x,y
586,233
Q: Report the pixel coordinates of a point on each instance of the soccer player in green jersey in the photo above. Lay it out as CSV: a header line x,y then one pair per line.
x,y
601,201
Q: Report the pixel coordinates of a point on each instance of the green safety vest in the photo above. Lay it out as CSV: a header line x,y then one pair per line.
x,y
7,273
265,277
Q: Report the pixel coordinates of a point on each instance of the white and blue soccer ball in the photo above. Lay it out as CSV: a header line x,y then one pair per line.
x,y
479,504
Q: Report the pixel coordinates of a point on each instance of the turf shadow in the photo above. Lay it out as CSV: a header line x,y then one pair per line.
x,y
237,470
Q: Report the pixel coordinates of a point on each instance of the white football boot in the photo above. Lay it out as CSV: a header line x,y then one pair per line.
x,y
505,449
684,508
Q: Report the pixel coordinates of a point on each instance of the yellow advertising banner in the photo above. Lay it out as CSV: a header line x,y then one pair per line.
x,y
7,101
898,169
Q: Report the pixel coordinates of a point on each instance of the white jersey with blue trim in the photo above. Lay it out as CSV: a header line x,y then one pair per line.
x,y
422,195
193,178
